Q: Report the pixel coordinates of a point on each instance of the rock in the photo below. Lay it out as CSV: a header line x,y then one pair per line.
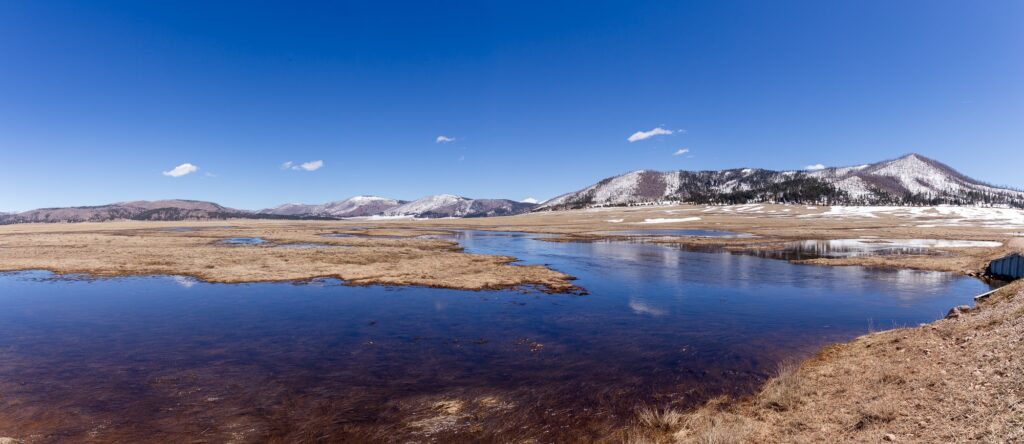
x,y
955,312
889,437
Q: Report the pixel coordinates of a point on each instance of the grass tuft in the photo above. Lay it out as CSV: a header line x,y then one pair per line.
x,y
785,390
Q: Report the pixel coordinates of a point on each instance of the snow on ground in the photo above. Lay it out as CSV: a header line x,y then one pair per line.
x,y
661,220
745,208
382,217
615,221
938,216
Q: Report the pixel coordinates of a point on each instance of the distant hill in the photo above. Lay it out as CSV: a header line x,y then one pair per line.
x,y
356,206
447,205
137,210
909,180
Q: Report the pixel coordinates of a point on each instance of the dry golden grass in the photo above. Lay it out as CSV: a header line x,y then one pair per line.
x,y
784,391
140,248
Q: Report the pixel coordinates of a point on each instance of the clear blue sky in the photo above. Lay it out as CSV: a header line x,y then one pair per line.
x,y
98,99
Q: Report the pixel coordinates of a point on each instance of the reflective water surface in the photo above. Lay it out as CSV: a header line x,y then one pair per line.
x,y
172,359
244,241
834,248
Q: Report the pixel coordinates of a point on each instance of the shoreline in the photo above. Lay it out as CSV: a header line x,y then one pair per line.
x,y
951,380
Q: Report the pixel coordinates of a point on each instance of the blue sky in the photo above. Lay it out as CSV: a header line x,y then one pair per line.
x,y
98,99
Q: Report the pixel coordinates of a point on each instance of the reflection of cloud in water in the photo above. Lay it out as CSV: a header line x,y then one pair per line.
x,y
914,284
641,308
185,281
874,246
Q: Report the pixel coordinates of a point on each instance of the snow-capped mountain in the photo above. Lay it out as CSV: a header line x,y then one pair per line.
x,y
352,207
908,180
448,205
360,206
293,209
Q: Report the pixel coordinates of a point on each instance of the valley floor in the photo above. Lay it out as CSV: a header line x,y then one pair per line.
x,y
955,380
396,252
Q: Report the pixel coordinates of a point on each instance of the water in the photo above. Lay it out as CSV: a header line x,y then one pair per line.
x,y
170,359
244,241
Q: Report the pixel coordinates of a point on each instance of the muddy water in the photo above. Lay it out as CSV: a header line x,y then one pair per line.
x,y
165,359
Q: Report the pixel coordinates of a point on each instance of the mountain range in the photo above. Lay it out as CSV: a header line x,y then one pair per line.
x,y
441,205
357,206
909,180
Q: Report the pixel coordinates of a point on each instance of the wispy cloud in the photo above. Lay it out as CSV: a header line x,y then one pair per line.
x,y
641,135
312,165
529,200
444,139
815,167
681,151
181,170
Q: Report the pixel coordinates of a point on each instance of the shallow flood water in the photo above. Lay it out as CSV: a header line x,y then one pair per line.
x,y
162,359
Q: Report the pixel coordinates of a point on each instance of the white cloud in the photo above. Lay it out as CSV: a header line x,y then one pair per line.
x,y
312,165
681,151
815,167
641,135
529,200
444,139
181,170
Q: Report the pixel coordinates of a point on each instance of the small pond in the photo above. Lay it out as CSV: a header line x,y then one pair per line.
x,y
244,241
